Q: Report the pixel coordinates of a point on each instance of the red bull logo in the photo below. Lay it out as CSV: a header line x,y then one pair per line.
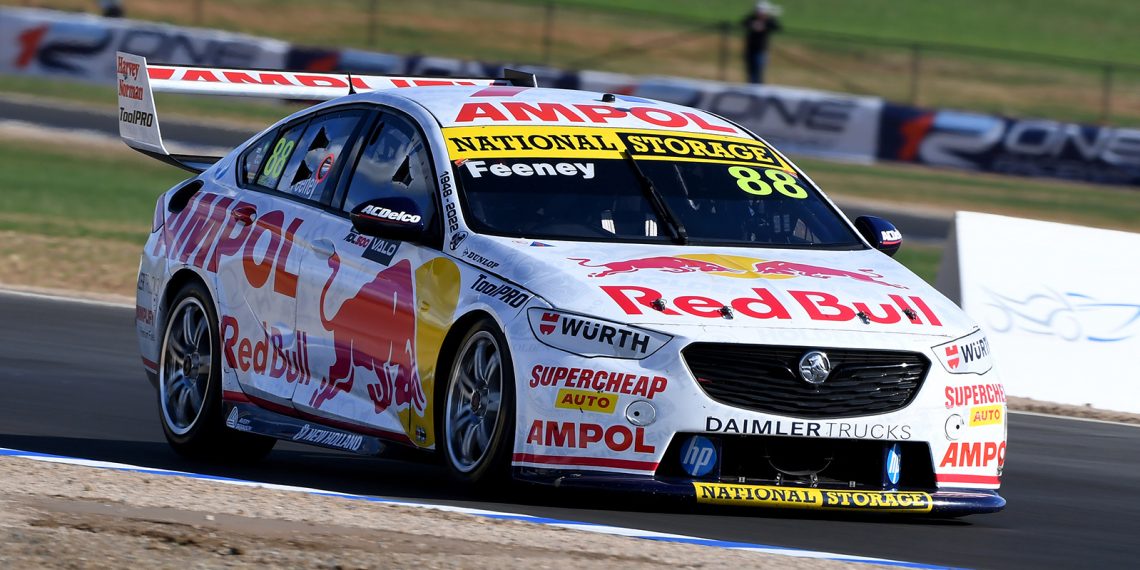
x,y
731,266
373,330
793,269
663,263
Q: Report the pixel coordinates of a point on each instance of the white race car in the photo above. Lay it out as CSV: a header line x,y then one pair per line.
x,y
563,287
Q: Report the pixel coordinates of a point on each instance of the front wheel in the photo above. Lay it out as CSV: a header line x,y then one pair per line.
x,y
189,384
479,408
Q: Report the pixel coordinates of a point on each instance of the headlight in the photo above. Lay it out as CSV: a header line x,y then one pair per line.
x,y
588,336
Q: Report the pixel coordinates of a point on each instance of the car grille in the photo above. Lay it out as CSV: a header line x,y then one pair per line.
x,y
766,379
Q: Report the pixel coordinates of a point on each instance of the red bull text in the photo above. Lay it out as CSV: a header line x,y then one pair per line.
x,y
267,356
816,305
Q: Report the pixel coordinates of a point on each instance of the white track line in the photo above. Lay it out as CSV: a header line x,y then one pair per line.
x,y
63,298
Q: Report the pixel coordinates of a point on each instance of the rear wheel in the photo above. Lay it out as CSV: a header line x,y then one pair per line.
x,y
189,384
479,408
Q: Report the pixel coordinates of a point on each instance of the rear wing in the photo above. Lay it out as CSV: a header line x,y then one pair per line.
x,y
138,82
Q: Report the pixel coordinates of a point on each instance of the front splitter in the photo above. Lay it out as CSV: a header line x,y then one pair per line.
x,y
940,503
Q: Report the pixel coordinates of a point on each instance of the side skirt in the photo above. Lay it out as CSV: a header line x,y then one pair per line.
x,y
251,418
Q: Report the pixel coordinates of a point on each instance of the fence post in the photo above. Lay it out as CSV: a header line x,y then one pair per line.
x,y
372,23
548,32
915,69
723,63
1106,96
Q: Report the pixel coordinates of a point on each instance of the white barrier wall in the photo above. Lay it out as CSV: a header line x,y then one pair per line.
x,y
83,46
1060,304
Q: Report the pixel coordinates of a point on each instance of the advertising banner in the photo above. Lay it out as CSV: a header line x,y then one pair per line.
x,y
83,46
1025,147
1059,303
807,121
800,121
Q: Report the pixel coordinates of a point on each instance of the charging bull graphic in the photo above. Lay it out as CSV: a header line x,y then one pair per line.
x,y
663,263
819,272
731,266
373,330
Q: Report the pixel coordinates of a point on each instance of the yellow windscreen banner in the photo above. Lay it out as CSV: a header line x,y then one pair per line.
x,y
800,498
585,143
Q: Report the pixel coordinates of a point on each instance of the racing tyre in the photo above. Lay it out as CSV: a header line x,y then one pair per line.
x,y
190,386
479,408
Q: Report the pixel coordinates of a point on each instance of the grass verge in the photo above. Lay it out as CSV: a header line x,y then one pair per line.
x,y
253,113
921,259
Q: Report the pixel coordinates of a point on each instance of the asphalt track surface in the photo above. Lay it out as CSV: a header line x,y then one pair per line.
x,y
71,383
918,227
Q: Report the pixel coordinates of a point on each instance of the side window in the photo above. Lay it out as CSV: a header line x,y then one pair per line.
x,y
394,163
254,156
279,155
312,165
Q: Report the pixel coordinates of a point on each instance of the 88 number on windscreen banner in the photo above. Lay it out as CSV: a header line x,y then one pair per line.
x,y
762,182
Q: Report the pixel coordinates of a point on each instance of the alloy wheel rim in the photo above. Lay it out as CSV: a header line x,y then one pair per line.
x,y
474,401
186,365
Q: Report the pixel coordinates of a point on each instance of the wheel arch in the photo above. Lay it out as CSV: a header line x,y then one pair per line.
x,y
451,342
179,280
446,358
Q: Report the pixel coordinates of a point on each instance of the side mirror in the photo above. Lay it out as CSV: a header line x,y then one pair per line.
x,y
389,218
881,234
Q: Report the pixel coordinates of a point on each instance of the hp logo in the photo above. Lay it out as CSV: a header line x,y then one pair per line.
x,y
698,456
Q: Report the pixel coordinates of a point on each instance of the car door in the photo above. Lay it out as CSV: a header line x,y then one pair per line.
x,y
359,295
285,176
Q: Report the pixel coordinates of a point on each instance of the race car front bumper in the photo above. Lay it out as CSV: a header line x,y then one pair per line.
x,y
940,503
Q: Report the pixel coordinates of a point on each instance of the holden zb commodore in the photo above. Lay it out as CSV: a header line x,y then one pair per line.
x,y
551,286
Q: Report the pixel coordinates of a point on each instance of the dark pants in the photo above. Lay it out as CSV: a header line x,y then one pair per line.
x,y
755,62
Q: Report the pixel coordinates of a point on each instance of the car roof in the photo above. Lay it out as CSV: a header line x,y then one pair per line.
x,y
464,106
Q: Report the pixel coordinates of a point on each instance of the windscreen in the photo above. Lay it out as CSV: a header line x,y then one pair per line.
x,y
590,184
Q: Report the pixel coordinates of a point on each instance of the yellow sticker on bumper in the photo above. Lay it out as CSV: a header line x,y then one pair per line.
x,y
764,496
586,401
986,415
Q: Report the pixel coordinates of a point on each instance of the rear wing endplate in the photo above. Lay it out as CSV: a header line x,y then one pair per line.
x,y
138,82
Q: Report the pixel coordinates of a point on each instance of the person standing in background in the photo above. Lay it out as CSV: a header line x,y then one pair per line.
x,y
111,8
757,27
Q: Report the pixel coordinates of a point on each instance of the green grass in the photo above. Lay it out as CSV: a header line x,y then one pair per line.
x,y
56,191
1090,29
923,260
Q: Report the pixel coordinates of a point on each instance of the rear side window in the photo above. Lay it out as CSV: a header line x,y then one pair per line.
x,y
283,149
254,156
314,161
394,163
